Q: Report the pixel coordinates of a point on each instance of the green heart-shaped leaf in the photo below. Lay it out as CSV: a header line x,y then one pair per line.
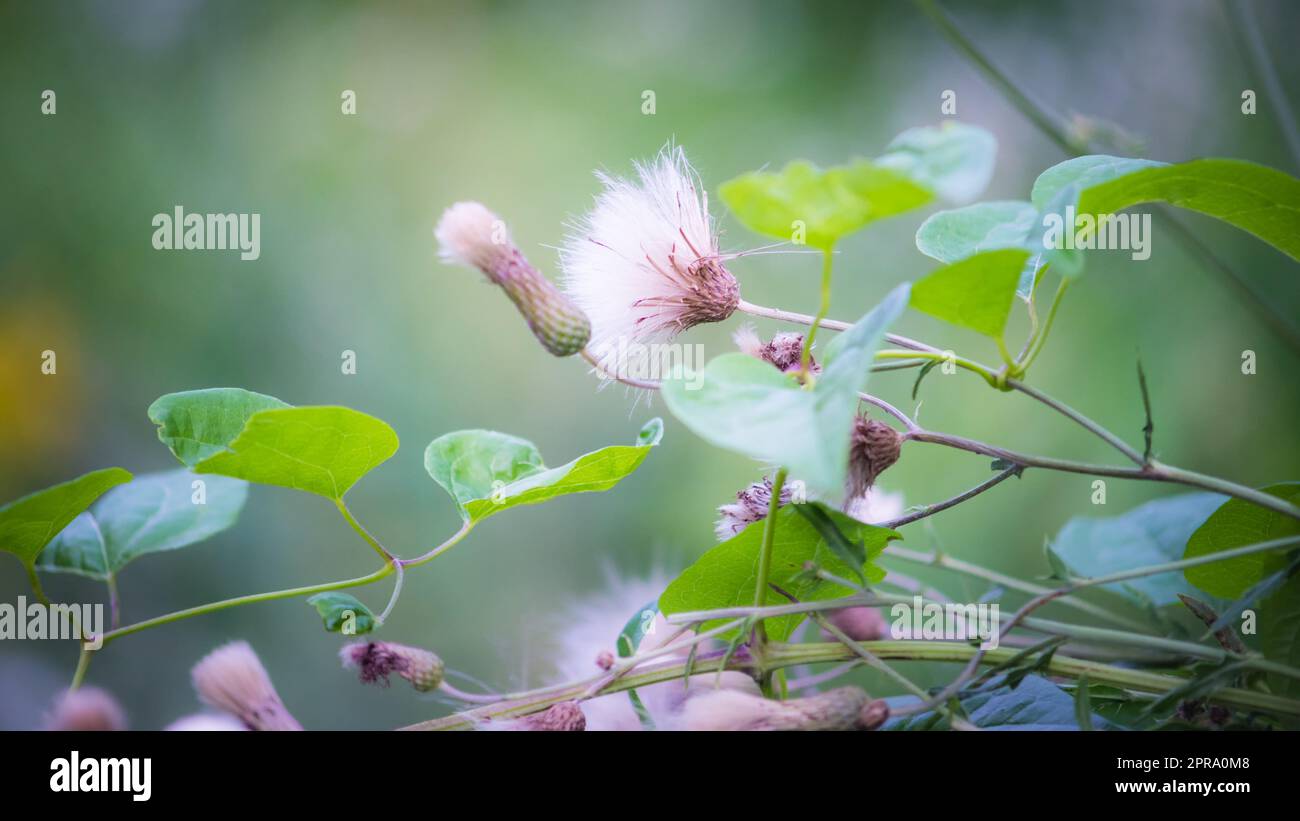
x,y
153,512
321,450
487,472
976,292
1237,523
199,424
1150,534
727,574
28,524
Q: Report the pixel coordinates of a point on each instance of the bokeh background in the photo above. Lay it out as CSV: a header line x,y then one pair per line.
x,y
235,106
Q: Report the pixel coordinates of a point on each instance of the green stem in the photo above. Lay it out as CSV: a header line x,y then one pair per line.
x,y
36,584
805,357
765,553
83,662
362,532
1040,338
255,598
780,655
1031,110
947,562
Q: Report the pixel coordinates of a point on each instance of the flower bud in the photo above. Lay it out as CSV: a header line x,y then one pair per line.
x,y
873,447
784,351
86,708
375,661
730,710
858,623
232,678
470,234
750,506
874,715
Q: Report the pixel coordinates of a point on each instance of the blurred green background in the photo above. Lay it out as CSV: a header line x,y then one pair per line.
x,y
235,107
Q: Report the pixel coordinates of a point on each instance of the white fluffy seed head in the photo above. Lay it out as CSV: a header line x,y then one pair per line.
x,y
470,234
206,722
590,626
644,263
876,506
232,679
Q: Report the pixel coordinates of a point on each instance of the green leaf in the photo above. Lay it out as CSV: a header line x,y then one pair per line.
x,y
28,524
951,236
1254,198
487,472
744,404
853,554
1083,704
1238,523
343,613
727,575
322,450
1279,629
976,292
630,637
199,424
1150,534
954,160
153,512
827,204
1083,173
1034,704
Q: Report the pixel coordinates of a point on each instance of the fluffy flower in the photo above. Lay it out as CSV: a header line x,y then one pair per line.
x,y
644,263
750,506
876,506
205,722
232,679
589,629
783,351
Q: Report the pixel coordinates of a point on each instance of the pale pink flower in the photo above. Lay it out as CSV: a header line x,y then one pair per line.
x,y
232,679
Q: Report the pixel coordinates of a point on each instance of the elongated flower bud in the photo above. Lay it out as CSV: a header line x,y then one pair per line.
x,y
873,447
86,708
838,709
375,661
470,234
232,678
